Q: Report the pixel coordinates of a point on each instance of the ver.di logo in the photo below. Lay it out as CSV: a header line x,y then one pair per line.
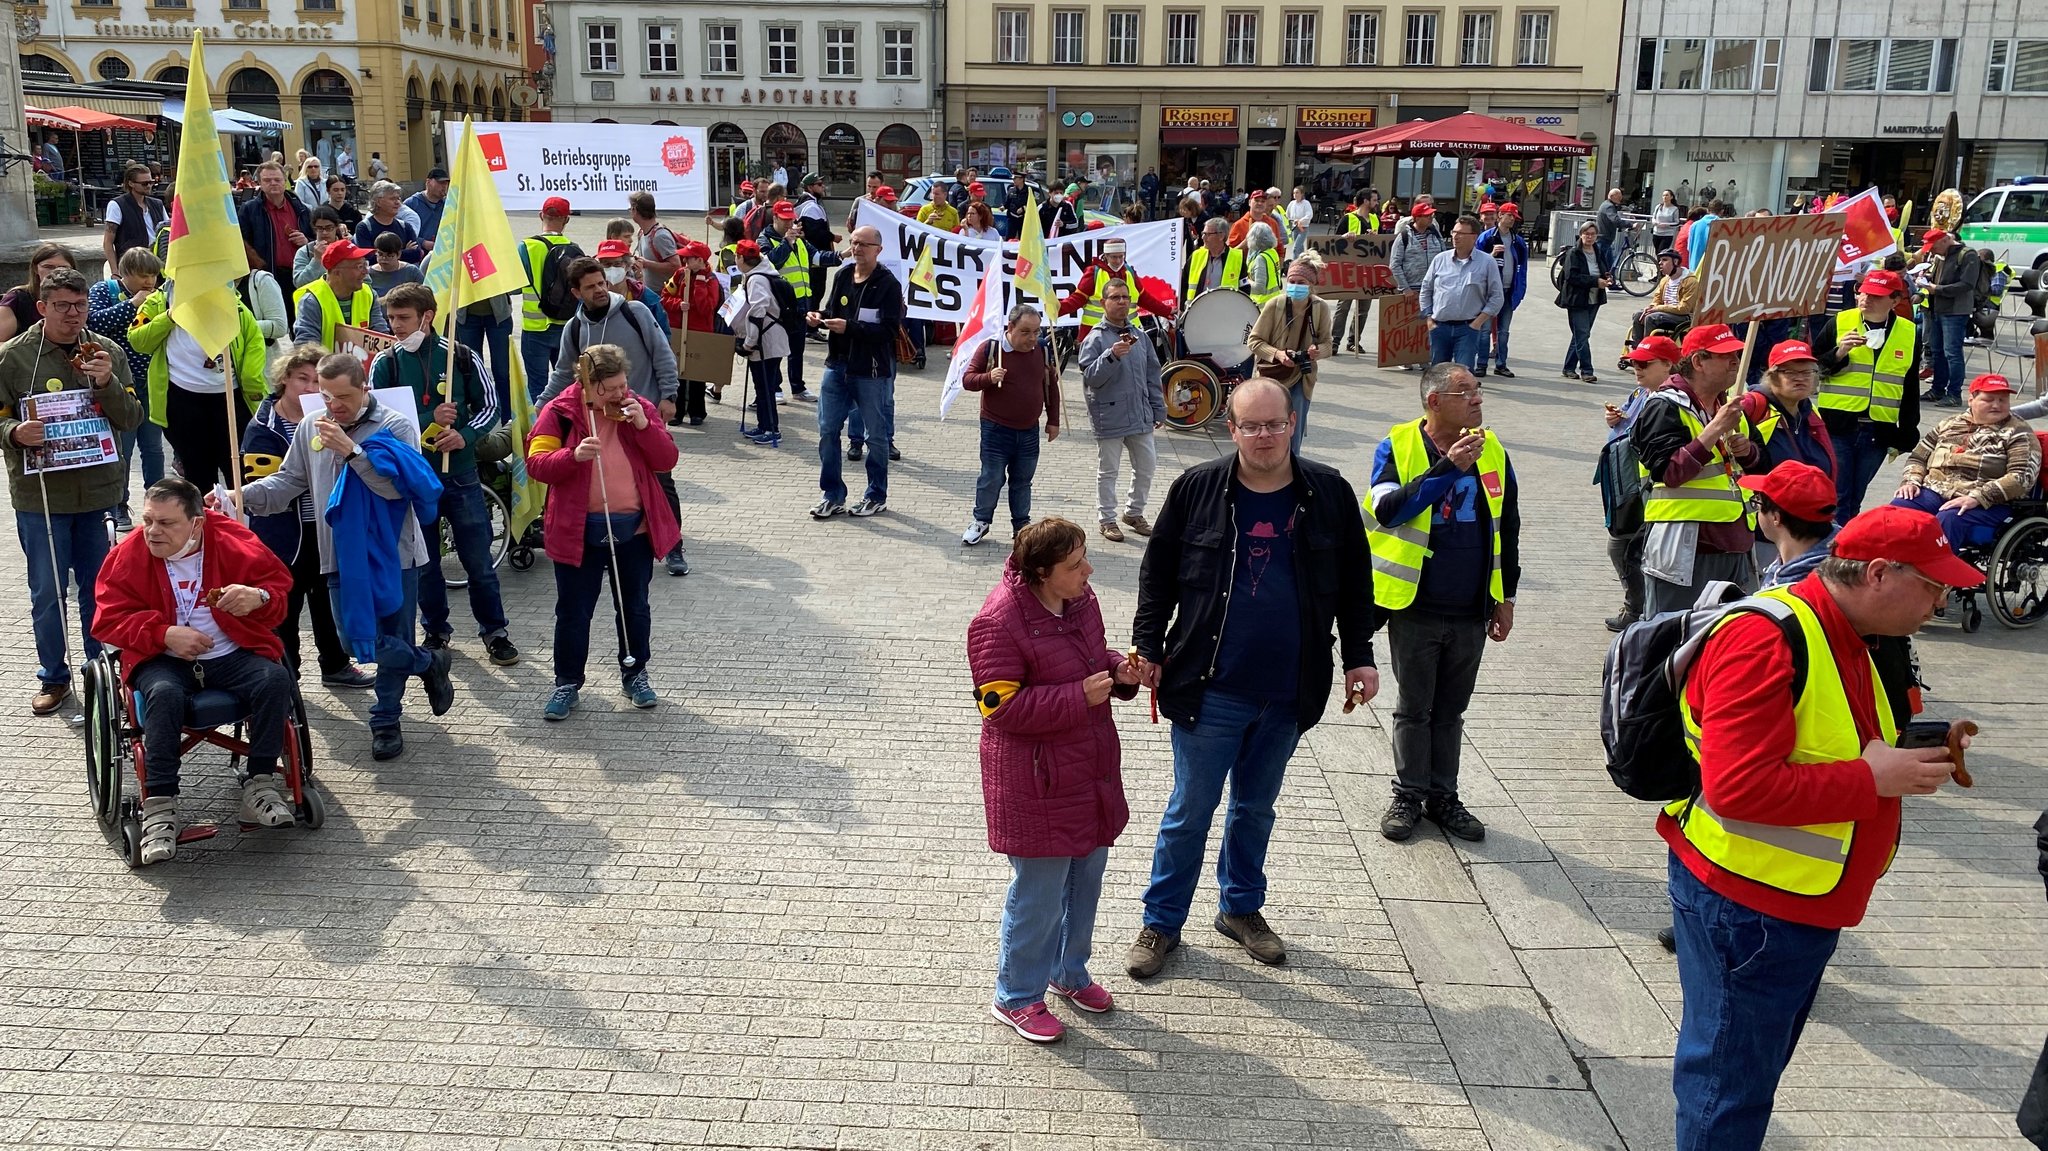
x,y
678,156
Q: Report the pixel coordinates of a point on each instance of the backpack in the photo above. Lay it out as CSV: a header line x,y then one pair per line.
x,y
1642,681
558,299
786,310
1987,269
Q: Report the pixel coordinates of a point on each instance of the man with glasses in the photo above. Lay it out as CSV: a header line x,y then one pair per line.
x,y
1446,543
1797,812
1255,557
133,217
861,310
1461,295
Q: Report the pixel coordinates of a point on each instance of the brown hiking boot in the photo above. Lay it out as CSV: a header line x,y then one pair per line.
x,y
1149,953
49,698
1257,938
1137,524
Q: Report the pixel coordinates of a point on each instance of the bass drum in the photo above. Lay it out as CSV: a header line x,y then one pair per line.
x,y
1193,394
1218,324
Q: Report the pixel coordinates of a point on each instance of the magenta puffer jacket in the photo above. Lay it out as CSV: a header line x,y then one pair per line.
x,y
1051,778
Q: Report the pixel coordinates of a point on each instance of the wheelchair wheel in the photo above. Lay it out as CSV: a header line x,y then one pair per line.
x,y
1638,273
131,841
1193,396
102,742
312,811
521,557
452,572
2016,578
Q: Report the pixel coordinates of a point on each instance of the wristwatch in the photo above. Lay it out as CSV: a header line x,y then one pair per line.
x,y
350,457
265,593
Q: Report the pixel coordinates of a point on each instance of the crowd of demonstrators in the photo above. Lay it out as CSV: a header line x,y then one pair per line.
x,y
1086,299
1288,339
1969,468
1019,384
1126,406
1459,297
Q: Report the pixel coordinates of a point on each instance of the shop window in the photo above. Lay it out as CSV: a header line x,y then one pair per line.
x,y
1069,32
1013,35
1418,47
1475,40
899,52
721,49
1183,38
780,43
601,47
1241,38
842,60
1532,40
1298,40
1122,44
1361,39
662,58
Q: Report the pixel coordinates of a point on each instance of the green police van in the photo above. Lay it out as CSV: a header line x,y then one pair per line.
x,y
2012,221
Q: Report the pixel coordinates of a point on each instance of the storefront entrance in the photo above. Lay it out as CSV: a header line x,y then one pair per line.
x,y
728,163
842,160
899,155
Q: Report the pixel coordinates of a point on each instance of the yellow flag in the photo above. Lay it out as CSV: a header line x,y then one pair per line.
x,y
922,274
475,254
206,254
528,494
1032,274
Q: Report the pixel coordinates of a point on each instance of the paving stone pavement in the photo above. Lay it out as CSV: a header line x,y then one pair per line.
x,y
764,914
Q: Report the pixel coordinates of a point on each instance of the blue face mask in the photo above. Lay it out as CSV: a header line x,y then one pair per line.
x,y
1297,292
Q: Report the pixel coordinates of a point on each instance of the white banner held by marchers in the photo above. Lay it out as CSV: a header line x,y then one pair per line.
x,y
594,166
1152,250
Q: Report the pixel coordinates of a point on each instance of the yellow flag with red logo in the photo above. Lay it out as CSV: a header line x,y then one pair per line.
x,y
475,254
206,254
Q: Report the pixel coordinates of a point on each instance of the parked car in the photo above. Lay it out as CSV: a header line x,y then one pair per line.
x,y
2011,220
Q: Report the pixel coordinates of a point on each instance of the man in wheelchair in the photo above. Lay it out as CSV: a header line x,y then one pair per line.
x,y
1971,467
1671,304
192,601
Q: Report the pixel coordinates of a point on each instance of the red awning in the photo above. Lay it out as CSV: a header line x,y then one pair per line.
x,y
37,118
1468,134
1199,137
1344,143
89,120
1317,137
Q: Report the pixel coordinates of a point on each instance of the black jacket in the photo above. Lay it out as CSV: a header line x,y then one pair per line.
x,y
1191,561
1581,287
255,222
867,349
1954,292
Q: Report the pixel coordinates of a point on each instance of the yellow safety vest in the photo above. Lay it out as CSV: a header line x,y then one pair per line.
x,y
330,307
797,267
1711,497
1355,225
1399,549
1804,860
1091,308
1271,258
1872,380
531,318
1233,270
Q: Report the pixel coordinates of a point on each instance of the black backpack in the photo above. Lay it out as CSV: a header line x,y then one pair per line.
x,y
791,319
558,299
1641,723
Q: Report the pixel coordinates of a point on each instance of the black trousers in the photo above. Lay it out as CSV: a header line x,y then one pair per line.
x,y
1436,666
309,589
197,429
166,684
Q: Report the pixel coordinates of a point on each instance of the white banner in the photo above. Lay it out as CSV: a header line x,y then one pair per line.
x,y
594,166
1153,251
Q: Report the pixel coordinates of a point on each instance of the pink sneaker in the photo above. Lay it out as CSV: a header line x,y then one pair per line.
x,y
1093,998
1032,1021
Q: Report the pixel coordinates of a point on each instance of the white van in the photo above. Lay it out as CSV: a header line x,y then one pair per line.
x,y
2012,221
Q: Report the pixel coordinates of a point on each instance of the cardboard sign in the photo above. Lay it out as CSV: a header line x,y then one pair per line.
x,y
364,344
1355,267
1404,334
704,356
1767,267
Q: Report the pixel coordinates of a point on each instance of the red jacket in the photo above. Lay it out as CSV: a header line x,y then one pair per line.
x,y
1051,778
134,604
705,297
1153,298
1742,686
551,459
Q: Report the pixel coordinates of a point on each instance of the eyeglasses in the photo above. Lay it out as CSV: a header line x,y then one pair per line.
x,y
65,306
1256,431
1941,588
1799,373
864,243
1471,393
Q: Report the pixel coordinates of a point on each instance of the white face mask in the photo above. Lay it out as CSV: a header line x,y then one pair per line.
x,y
614,275
414,342
191,545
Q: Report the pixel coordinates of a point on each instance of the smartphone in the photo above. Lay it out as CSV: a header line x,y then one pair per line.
x,y
1924,733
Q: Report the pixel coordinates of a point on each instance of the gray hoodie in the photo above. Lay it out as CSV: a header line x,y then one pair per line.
x,y
650,362
1124,395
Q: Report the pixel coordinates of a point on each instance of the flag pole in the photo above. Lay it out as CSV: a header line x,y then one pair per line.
x,y
448,361
227,375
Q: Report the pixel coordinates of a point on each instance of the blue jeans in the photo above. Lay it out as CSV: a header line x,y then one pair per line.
x,y
767,376
1300,420
398,657
150,438
1011,453
81,545
537,356
1945,352
492,338
1496,342
1048,926
1975,528
1578,355
1452,343
463,506
1857,459
579,588
851,402
1748,980
1248,742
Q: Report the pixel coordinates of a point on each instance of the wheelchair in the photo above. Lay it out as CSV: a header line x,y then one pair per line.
x,y
2015,567
113,749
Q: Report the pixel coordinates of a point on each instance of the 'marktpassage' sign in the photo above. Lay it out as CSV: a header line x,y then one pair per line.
x,y
1767,267
1354,267
1404,334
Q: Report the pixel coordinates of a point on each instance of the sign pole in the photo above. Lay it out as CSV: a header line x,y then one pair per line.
x,y
227,375
448,365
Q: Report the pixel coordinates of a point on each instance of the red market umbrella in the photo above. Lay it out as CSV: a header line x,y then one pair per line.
x,y
1348,145
1466,134
38,118
90,120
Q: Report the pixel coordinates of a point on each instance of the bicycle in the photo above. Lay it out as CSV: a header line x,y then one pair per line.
x,y
1636,274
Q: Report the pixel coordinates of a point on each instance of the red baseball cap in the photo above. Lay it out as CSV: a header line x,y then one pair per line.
x,y
1792,350
343,250
1488,206
1882,283
693,250
613,250
1905,535
1933,236
784,210
977,189
1799,489
885,192
1715,338
1422,210
1509,209
554,206
1655,348
747,250
746,185
1991,383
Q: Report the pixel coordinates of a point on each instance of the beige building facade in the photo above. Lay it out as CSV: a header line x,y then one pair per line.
x,y
1241,94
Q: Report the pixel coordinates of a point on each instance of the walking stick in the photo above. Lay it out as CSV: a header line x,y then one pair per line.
x,y
611,543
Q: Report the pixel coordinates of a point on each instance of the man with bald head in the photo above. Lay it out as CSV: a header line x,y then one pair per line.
x,y
861,310
1255,556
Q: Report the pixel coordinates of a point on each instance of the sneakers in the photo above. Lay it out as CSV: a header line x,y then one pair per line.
x,y
263,804
436,642
1258,940
1401,817
123,520
1589,377
807,397
640,691
1137,523
1149,953
49,698
896,453
440,688
1110,532
1667,939
501,650
826,509
675,562
867,507
159,829
1452,817
976,532
1502,371
856,451
1094,998
1930,396
1032,1021
386,743
351,677
561,703
1622,620
767,439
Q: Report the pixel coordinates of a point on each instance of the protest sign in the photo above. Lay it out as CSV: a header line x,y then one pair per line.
x,y
1354,267
1404,334
1153,251
75,434
362,343
1866,233
1767,267
703,356
594,167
